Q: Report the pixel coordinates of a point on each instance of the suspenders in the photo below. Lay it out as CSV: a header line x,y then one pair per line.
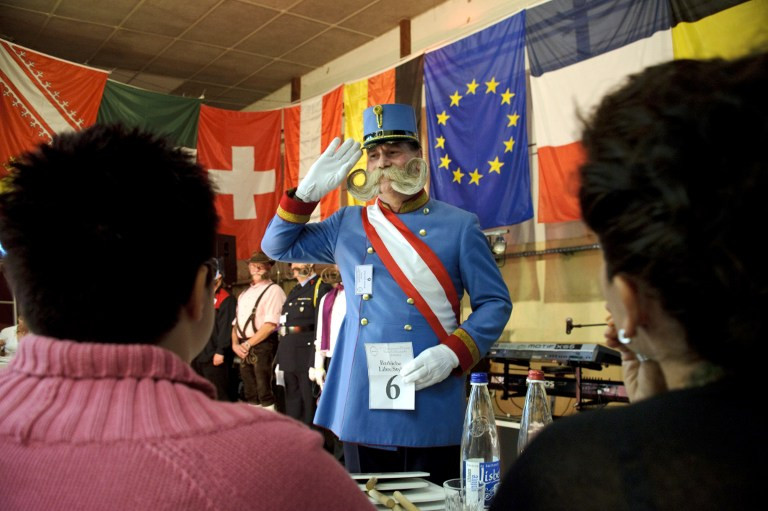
x,y
252,318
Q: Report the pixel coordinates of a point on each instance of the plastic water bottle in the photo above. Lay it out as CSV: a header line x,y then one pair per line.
x,y
536,413
480,441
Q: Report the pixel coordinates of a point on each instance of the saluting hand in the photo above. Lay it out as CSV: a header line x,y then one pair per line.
x,y
329,170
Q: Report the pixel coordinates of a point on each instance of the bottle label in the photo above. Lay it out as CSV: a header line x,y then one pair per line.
x,y
488,472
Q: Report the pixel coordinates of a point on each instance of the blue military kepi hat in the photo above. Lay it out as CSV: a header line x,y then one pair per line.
x,y
389,123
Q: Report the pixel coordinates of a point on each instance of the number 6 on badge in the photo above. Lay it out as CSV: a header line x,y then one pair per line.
x,y
393,391
385,390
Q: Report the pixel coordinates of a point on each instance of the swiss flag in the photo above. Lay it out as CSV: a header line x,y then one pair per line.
x,y
241,151
41,96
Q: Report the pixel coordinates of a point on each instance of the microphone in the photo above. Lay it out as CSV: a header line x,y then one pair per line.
x,y
569,325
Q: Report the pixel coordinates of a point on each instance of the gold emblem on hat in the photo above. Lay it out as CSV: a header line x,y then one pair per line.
x,y
378,110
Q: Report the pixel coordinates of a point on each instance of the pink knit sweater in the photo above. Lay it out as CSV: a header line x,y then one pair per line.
x,y
93,426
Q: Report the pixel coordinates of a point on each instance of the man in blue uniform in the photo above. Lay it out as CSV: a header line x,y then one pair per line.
x,y
410,259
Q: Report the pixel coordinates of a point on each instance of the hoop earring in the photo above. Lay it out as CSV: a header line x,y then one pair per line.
x,y
623,339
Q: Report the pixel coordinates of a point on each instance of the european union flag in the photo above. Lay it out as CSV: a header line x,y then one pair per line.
x,y
478,144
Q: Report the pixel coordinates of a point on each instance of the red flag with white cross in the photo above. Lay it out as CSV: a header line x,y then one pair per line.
x,y
241,151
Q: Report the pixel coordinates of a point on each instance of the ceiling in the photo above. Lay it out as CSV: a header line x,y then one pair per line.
x,y
231,52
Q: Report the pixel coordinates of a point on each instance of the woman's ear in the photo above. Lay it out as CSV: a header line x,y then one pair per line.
x,y
629,295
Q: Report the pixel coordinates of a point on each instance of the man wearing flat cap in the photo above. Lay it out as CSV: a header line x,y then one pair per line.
x,y
254,331
395,391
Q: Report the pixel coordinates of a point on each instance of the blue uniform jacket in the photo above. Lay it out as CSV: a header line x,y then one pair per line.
x,y
385,315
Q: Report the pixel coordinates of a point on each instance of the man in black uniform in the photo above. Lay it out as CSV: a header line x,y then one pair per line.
x,y
296,351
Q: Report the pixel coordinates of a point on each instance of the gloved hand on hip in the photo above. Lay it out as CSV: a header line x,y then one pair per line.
x,y
431,366
329,170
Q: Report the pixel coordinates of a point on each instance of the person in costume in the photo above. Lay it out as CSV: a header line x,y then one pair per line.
x,y
330,315
254,331
214,362
410,259
296,351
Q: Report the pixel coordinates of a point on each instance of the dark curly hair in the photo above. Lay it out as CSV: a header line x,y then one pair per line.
x,y
675,184
105,231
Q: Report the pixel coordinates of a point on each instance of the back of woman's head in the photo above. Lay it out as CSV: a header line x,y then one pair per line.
x,y
676,187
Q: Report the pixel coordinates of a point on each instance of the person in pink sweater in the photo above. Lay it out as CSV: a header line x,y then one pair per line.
x,y
100,408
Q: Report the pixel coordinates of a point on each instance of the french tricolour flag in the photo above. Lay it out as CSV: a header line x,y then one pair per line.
x,y
578,52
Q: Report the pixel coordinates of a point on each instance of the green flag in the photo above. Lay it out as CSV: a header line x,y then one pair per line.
x,y
172,116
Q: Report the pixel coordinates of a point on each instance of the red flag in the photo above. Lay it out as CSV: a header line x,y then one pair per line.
x,y
41,96
241,151
309,128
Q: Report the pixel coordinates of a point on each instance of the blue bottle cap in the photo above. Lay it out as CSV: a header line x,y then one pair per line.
x,y
478,378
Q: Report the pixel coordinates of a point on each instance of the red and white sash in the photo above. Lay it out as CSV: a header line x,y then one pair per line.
x,y
415,267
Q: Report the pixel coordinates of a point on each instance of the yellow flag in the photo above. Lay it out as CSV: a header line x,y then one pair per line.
x,y
730,33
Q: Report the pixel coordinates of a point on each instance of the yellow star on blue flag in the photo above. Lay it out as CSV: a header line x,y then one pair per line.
x,y
474,177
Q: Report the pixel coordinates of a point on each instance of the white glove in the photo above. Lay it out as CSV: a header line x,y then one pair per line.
x,y
320,376
329,170
319,370
431,366
279,376
311,374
